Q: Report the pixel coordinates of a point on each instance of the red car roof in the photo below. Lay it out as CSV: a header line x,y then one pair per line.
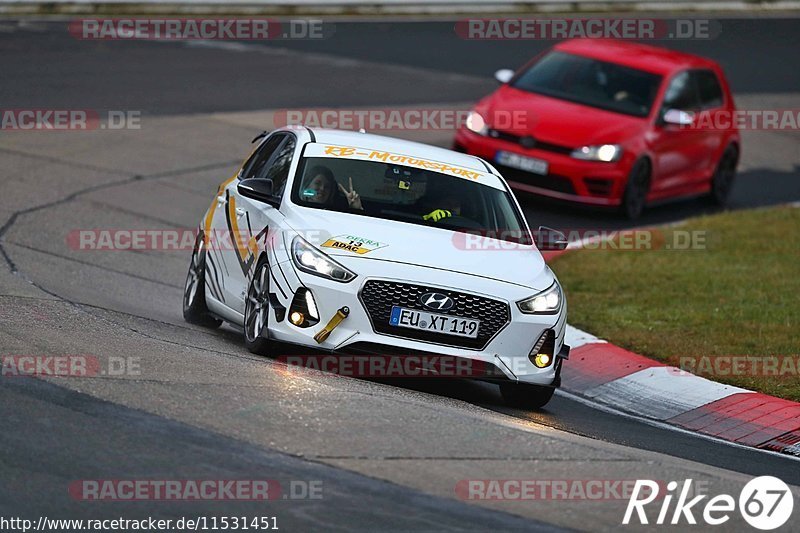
x,y
635,55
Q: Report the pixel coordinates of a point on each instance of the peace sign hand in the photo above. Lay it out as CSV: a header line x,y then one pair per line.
x,y
353,199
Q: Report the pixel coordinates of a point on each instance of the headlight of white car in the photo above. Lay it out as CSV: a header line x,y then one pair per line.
x,y
547,302
602,152
476,124
309,259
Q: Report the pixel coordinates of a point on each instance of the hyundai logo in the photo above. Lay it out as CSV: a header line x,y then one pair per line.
x,y
437,301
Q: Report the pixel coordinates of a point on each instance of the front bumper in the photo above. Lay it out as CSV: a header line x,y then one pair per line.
x,y
507,349
575,180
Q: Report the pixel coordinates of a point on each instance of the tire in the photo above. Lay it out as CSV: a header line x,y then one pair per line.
x,y
256,310
635,197
526,396
724,176
195,310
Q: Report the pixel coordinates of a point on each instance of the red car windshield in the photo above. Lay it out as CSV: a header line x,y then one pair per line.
x,y
591,82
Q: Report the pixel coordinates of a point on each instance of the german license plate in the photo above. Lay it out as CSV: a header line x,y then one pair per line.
x,y
521,162
433,322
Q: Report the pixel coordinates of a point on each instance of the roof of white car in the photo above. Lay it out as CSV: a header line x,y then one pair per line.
x,y
398,146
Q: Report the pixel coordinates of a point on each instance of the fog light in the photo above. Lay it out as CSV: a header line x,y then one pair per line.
x,y
303,312
297,318
542,353
542,360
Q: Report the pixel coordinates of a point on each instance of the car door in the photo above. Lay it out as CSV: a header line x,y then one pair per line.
x,y
231,251
713,111
678,151
254,219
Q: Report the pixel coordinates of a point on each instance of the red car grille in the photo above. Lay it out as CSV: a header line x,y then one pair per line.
x,y
530,142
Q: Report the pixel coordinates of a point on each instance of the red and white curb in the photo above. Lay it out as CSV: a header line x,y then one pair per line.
x,y
614,377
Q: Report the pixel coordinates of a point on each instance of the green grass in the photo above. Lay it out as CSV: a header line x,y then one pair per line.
x,y
738,296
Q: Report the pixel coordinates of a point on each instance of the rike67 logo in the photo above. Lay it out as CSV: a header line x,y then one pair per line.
x,y
765,503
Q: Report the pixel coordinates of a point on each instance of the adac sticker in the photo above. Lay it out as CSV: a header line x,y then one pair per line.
x,y
353,243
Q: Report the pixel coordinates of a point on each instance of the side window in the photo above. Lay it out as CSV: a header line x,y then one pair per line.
x,y
256,166
278,170
710,90
681,93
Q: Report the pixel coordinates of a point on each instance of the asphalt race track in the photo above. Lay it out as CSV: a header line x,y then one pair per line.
x,y
197,404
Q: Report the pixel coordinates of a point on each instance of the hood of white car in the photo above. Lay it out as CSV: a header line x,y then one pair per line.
x,y
354,239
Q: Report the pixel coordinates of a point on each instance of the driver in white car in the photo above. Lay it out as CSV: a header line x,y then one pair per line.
x,y
448,206
321,188
321,185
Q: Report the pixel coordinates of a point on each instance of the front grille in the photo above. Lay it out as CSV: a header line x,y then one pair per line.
x,y
535,143
552,182
378,297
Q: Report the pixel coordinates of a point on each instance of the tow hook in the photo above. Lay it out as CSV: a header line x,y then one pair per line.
x,y
335,320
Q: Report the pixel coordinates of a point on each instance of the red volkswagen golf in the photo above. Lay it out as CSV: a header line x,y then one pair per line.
x,y
610,123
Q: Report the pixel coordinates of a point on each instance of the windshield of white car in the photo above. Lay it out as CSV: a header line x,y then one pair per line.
x,y
591,82
406,194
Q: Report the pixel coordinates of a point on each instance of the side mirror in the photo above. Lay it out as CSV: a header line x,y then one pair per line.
x,y
258,189
550,240
678,117
504,75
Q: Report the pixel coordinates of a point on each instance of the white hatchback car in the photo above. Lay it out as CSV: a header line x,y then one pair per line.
x,y
354,243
